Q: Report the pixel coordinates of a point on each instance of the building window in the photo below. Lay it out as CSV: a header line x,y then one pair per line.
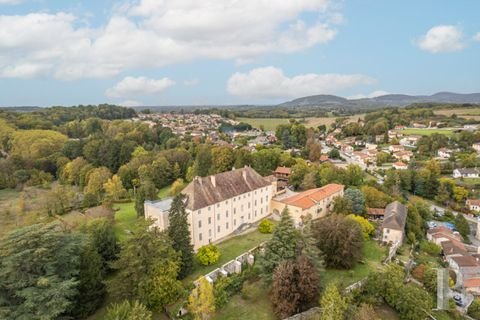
x,y
249,205
209,220
261,200
234,222
266,209
266,198
261,210
200,236
234,210
209,232
255,202
209,208
218,228
218,216
249,216
226,214
241,207
226,226
199,223
218,205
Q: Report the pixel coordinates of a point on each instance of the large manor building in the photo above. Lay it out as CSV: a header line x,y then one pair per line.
x,y
221,204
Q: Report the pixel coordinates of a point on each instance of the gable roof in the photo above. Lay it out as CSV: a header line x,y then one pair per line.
x,y
466,261
309,198
205,191
395,216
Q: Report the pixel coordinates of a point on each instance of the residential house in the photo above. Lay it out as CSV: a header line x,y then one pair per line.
x,y
314,202
219,204
396,148
393,226
465,173
400,165
405,156
371,146
409,141
282,173
444,153
473,204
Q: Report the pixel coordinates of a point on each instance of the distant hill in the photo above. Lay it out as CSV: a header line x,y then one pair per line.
x,y
389,100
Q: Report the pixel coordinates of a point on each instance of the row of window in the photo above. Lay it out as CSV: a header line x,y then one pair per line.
x,y
241,207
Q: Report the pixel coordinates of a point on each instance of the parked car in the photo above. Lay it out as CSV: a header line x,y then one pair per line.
x,y
458,300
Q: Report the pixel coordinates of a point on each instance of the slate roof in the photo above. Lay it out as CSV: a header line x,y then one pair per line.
x,y
205,191
309,198
467,171
395,216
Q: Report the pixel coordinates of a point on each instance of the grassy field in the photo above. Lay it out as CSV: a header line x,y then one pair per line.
x,y
230,249
253,303
271,124
463,112
372,256
425,132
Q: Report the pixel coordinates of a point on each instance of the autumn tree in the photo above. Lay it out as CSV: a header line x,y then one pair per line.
x,y
96,180
147,268
295,286
340,239
114,188
375,198
179,233
282,246
201,301
332,303
367,228
222,159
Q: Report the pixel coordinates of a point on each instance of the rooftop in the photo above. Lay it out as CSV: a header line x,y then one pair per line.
x,y
395,216
309,198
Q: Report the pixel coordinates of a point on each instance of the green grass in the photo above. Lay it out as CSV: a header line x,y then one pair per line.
x,y
373,255
6,194
230,249
468,182
125,219
164,192
425,132
254,303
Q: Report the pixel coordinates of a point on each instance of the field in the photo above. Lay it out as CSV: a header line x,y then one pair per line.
x,y
461,112
425,132
270,124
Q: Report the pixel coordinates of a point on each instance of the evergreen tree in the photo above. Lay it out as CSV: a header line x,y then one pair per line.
x,y
201,301
39,266
103,237
333,304
147,268
357,199
282,246
179,233
309,246
147,191
203,161
461,224
91,289
127,310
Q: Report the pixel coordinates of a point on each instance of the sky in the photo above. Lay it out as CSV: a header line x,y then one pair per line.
x,y
215,52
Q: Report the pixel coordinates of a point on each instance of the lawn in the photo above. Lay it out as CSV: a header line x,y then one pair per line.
x,y
373,254
125,219
459,112
425,132
468,182
252,303
229,250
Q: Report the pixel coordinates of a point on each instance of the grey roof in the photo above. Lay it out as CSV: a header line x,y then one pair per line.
x,y
163,205
395,216
468,170
205,191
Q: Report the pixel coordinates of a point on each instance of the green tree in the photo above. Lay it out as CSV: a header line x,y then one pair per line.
x,y
114,188
201,301
179,233
46,283
474,309
208,254
203,161
340,239
147,268
222,159
146,191
127,310
266,226
102,235
333,304
282,246
36,144
375,198
342,205
354,175
96,179
461,224
356,198
308,244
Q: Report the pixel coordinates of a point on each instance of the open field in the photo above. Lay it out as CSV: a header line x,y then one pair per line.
x,y
271,124
463,112
425,132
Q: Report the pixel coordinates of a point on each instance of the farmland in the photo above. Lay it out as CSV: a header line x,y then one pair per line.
x,y
467,113
426,131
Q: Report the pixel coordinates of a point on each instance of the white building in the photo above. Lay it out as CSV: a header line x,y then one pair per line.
x,y
220,204
465,173
444,153
473,204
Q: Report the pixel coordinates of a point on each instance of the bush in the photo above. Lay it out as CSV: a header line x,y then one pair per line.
x,y
266,226
127,310
208,254
430,248
226,287
474,309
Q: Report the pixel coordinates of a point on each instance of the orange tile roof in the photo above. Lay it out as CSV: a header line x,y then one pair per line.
x,y
309,198
400,164
473,202
471,283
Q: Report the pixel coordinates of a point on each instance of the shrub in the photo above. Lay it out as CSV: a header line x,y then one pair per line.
x,y
226,287
430,248
266,226
127,310
474,309
208,254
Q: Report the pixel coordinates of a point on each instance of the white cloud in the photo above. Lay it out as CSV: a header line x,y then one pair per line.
x,y
270,82
154,33
443,38
477,37
191,82
130,87
10,2
373,94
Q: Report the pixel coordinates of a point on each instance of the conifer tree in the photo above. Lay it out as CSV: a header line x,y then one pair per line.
x,y
282,246
147,191
179,233
332,303
309,246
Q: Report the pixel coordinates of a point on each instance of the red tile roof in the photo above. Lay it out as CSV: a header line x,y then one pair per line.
x,y
309,198
376,211
471,283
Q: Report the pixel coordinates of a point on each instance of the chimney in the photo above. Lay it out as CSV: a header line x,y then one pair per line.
x,y
244,174
212,178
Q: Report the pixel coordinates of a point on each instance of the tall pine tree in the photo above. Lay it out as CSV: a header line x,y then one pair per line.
x,y
282,246
179,233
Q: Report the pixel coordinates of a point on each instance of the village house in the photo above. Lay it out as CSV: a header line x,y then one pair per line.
x,y
393,225
371,146
405,156
465,173
314,202
473,204
444,153
396,148
219,204
409,141
282,173
400,165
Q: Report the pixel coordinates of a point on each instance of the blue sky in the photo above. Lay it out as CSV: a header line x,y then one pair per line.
x,y
174,52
